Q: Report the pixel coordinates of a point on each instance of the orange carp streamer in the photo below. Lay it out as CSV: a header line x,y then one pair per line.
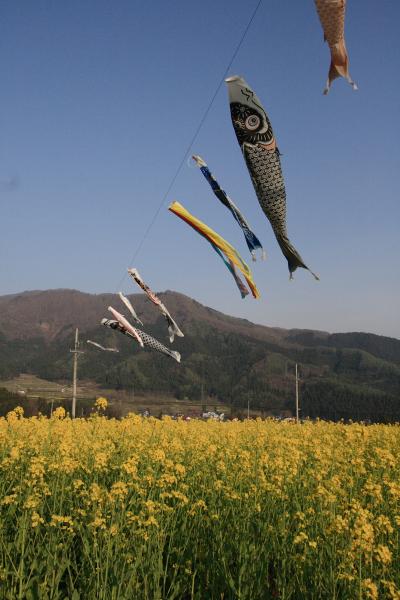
x,y
331,14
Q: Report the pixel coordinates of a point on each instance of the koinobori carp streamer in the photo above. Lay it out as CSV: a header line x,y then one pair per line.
x,y
257,142
215,239
251,239
331,14
232,269
97,345
147,340
173,328
129,306
125,323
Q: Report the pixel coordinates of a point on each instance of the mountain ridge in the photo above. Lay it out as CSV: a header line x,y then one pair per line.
x,y
26,294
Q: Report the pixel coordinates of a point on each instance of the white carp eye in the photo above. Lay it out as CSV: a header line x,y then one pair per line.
x,y
252,122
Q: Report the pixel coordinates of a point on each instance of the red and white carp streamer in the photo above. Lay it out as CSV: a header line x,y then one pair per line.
x,y
331,14
173,328
129,306
125,323
102,347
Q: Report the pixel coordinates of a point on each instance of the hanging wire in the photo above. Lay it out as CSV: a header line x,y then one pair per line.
x,y
193,139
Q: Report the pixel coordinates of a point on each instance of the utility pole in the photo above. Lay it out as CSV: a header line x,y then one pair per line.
x,y
76,353
297,394
203,407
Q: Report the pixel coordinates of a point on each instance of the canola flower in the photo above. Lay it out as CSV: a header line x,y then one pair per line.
x,y
150,509
101,404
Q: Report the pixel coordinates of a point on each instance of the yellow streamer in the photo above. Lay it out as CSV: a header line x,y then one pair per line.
x,y
213,237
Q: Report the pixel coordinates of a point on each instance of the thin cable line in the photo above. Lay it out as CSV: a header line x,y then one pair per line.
x,y
193,139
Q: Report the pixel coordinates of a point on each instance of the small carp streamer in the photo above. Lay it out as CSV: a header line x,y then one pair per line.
x,y
129,306
331,14
257,142
216,240
121,319
147,340
173,328
102,347
251,239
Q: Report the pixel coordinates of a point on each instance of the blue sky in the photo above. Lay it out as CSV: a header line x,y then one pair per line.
x,y
98,103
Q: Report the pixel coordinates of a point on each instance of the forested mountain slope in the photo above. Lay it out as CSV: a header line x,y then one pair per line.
x,y
344,375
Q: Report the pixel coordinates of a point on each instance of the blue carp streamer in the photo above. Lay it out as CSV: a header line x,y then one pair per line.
x,y
251,239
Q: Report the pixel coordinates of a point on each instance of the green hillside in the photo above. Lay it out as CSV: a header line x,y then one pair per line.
x,y
350,375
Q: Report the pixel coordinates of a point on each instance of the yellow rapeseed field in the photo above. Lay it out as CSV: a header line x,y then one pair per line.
x,y
136,508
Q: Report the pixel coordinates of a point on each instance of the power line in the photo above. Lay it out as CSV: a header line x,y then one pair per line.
x,y
193,139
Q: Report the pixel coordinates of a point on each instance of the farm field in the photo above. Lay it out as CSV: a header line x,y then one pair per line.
x,y
161,509
31,387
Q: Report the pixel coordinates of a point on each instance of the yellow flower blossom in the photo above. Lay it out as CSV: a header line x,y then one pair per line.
x,y
95,493
150,521
37,467
15,453
130,487
77,484
180,469
371,589
383,523
181,497
36,520
158,455
31,502
118,491
101,404
300,538
59,413
130,466
7,500
98,523
63,522
392,591
383,554
197,507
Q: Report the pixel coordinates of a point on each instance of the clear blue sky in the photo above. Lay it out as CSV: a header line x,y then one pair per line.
x,y
98,102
